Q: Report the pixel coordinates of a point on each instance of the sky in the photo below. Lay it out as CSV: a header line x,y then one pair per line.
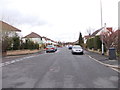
x,y
59,20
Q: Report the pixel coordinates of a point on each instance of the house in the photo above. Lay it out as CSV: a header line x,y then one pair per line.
x,y
8,29
76,42
104,30
54,42
46,40
86,38
36,38
97,33
92,35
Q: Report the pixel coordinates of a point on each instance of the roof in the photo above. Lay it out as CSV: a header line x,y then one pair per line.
x,y
96,32
49,39
109,28
32,35
88,36
46,38
8,27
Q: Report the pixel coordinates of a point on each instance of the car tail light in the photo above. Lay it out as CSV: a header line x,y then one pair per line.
x,y
46,48
52,48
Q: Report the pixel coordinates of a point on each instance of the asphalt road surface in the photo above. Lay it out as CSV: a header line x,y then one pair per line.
x,y
58,70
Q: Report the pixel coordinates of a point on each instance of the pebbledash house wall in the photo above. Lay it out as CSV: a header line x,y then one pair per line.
x,y
35,40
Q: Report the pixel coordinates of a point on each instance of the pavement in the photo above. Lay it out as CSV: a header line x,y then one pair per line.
x,y
103,59
58,70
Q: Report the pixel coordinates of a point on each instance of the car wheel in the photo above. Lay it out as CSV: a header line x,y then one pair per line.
x,y
82,53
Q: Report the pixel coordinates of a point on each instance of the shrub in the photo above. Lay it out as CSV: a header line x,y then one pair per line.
x,y
94,43
29,44
16,42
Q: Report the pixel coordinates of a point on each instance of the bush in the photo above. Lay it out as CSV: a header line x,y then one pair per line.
x,y
11,43
6,42
94,43
90,43
97,43
36,46
16,42
29,45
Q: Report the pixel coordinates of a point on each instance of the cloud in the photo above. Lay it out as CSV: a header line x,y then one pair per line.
x,y
12,16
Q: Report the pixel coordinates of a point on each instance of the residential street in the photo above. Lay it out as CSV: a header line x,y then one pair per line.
x,y
58,70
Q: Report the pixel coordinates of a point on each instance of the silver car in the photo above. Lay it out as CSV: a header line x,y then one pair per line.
x,y
76,49
51,48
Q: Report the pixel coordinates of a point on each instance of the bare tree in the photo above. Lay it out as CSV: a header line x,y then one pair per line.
x,y
90,30
108,38
117,41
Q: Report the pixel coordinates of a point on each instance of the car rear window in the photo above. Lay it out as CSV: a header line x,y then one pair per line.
x,y
50,46
77,47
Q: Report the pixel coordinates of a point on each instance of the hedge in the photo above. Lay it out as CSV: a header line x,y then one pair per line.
x,y
94,43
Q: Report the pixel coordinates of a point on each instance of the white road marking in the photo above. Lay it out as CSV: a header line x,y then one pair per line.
x,y
6,63
16,60
13,61
0,64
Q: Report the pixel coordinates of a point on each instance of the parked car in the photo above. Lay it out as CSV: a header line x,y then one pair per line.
x,y
70,47
55,48
51,48
76,49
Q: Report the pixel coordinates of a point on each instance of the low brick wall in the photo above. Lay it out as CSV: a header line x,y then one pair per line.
x,y
20,52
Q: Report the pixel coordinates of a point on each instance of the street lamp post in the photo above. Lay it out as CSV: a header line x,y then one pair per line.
x,y
102,26
102,39
102,46
101,13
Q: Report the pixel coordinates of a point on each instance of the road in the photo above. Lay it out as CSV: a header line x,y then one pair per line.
x,y
58,70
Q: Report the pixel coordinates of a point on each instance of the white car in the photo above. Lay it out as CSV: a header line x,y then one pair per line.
x,y
76,49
